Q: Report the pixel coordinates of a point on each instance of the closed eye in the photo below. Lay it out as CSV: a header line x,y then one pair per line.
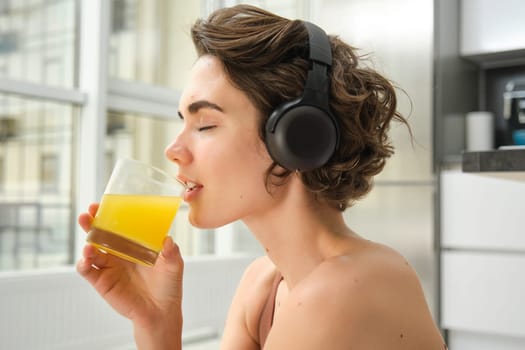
x,y
207,127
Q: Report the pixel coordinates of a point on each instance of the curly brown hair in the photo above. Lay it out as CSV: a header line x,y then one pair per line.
x,y
266,57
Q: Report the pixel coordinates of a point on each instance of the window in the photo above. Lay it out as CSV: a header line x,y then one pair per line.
x,y
285,8
37,41
49,172
150,40
38,128
37,181
2,173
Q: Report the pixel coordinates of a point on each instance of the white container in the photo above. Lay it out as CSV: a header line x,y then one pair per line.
x,y
479,131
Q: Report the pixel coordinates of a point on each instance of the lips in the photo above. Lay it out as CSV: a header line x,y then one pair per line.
x,y
192,188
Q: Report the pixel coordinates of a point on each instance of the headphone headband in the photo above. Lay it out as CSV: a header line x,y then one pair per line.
x,y
319,43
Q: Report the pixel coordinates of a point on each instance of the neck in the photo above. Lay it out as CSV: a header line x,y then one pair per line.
x,y
298,233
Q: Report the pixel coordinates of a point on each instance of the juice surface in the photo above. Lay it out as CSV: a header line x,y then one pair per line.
x,y
144,219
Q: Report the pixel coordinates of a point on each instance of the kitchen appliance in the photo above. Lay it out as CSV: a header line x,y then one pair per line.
x,y
514,111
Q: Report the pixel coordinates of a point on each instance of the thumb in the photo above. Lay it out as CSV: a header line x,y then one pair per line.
x,y
171,258
170,265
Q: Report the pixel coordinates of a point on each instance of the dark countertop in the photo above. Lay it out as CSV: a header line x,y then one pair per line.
x,y
504,160
508,164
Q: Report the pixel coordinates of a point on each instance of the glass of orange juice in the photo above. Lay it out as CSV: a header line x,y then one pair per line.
x,y
136,212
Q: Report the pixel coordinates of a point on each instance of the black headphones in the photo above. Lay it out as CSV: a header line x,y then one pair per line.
x,y
302,134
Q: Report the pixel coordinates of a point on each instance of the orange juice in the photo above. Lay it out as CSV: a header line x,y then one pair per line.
x,y
133,226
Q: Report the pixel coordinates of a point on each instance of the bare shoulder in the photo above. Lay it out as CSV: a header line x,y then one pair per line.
x,y
254,287
373,267
256,282
370,298
259,270
241,329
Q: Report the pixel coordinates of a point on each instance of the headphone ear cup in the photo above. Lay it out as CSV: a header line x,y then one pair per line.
x,y
300,137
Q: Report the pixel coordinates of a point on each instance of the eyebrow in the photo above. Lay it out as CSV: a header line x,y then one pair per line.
x,y
197,105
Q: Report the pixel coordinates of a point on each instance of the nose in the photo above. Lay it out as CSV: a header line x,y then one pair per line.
x,y
178,152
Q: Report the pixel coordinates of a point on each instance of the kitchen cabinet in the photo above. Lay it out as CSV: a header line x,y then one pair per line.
x,y
491,27
479,46
483,251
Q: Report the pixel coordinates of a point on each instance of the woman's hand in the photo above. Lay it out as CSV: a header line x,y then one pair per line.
x,y
151,297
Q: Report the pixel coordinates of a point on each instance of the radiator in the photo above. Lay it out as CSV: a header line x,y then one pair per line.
x,y
56,309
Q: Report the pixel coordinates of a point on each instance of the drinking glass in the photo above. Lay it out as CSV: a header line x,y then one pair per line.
x,y
136,212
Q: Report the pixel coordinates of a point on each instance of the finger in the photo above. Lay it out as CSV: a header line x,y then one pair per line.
x,y
89,251
96,257
86,267
85,220
171,257
103,259
170,265
170,250
93,208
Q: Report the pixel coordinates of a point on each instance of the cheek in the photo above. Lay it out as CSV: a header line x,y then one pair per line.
x,y
248,185
241,177
240,153
235,184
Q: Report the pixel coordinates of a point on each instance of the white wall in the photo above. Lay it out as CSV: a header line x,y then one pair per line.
x,y
56,309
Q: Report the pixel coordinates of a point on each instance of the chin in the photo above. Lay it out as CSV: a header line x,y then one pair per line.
x,y
202,223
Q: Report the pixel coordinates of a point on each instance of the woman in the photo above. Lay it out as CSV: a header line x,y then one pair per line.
x,y
320,285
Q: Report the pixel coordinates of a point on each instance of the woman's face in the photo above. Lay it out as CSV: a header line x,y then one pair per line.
x,y
219,152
